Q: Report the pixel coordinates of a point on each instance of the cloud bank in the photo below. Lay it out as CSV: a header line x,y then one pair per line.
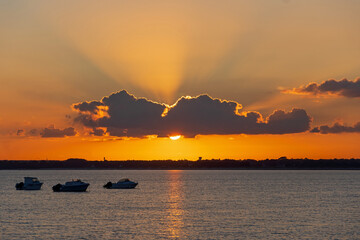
x,y
124,115
337,128
56,133
344,88
50,132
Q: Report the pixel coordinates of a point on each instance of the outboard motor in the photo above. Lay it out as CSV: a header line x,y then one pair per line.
x,y
19,186
57,187
108,185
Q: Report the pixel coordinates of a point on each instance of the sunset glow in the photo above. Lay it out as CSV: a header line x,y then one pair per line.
x,y
147,72
176,137
234,119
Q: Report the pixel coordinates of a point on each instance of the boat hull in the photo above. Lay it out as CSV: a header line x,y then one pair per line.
x,y
123,185
64,188
20,186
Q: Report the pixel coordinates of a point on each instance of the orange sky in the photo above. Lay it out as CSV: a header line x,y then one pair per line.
x,y
207,147
55,54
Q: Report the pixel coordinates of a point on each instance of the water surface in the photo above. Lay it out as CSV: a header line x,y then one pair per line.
x,y
191,204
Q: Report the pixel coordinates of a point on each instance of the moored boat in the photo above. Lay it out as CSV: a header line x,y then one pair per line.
x,y
30,183
123,183
72,186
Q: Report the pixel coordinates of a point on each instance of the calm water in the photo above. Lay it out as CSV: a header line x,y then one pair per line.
x,y
184,205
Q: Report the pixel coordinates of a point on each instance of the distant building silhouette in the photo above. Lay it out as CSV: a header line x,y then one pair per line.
x,y
282,163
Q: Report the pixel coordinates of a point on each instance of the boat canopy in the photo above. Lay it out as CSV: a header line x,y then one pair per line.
x,y
31,179
74,182
124,180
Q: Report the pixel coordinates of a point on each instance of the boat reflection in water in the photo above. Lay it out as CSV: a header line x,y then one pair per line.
x,y
175,208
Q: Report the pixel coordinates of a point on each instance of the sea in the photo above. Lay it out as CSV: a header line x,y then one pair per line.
x,y
184,204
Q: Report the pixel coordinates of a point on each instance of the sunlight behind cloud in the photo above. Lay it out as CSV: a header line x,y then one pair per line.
x,y
176,137
56,53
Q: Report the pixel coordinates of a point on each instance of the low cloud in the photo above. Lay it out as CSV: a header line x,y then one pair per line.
x,y
344,88
49,132
337,128
20,132
122,114
98,132
57,133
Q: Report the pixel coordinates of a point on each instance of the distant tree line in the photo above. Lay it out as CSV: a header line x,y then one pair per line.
x,y
281,163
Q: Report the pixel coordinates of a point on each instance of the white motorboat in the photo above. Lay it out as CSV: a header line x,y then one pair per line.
x,y
72,186
121,184
30,183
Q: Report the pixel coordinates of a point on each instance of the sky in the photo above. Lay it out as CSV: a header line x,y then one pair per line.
x,y
234,79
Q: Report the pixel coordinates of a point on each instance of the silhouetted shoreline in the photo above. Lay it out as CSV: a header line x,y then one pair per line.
x,y
281,163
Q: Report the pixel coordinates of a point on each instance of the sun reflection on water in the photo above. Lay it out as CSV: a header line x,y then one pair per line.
x,y
175,208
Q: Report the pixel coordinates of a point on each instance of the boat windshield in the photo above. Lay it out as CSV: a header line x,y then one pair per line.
x,y
31,179
124,180
74,182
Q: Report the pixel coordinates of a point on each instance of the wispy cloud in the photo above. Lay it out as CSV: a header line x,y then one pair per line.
x,y
337,128
49,132
344,88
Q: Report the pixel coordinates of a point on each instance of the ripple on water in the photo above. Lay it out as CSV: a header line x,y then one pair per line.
x,y
184,205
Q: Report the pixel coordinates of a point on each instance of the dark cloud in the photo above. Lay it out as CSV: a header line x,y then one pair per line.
x,y
57,133
205,115
50,132
337,128
98,132
122,114
345,88
91,107
33,132
20,132
281,122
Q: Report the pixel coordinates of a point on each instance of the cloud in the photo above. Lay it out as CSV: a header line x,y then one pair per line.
x,y
49,132
122,114
206,115
20,132
344,88
57,133
337,128
91,107
98,132
33,132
